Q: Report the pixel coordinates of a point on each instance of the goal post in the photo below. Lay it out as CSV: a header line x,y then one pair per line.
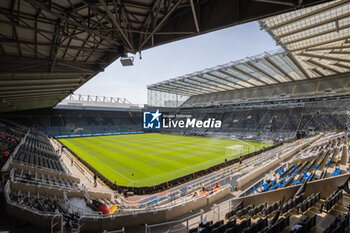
x,y
234,150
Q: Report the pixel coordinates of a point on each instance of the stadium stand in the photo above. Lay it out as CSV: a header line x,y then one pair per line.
x,y
286,217
248,122
253,217
69,121
332,200
39,165
41,185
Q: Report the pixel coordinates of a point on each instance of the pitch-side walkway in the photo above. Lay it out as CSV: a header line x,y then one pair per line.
x,y
86,177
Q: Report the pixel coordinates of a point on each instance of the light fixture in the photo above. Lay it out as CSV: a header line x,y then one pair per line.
x,y
124,58
127,61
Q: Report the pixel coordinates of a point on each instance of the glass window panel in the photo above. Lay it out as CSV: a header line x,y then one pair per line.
x,y
263,65
164,99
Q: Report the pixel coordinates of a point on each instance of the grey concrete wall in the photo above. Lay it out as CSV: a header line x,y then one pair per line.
x,y
98,224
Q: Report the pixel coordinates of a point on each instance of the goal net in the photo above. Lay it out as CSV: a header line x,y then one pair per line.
x,y
234,150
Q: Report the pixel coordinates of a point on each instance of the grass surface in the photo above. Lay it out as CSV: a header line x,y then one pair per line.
x,y
148,159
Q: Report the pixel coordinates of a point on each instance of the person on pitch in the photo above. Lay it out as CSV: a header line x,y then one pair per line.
x,y
95,180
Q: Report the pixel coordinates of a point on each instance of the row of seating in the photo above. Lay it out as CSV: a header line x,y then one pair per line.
x,y
244,211
305,170
290,204
9,139
38,159
41,179
308,202
36,147
339,224
252,210
47,205
39,141
229,227
305,225
278,227
28,153
256,210
270,208
36,202
331,201
257,226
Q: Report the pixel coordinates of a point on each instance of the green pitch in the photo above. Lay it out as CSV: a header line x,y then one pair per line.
x,y
151,158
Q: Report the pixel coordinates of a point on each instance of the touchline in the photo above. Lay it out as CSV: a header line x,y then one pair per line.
x,y
193,123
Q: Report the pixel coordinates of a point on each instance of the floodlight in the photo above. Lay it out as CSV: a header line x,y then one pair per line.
x,y
127,61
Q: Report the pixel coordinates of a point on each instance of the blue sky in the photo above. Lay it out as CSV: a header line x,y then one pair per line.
x,y
177,59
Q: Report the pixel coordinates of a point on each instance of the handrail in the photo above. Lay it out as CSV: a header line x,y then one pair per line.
x,y
81,211
6,194
40,167
61,222
5,177
200,213
115,231
44,184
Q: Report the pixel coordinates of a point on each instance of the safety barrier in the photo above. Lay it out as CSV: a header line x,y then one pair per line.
x,y
59,222
174,225
116,231
96,134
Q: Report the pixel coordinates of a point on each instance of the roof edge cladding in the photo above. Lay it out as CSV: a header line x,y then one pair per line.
x,y
333,86
315,41
261,70
316,37
76,39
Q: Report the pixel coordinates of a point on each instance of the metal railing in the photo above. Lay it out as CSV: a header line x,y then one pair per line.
x,y
23,207
219,210
115,231
82,212
174,198
59,217
39,167
177,226
42,183
5,177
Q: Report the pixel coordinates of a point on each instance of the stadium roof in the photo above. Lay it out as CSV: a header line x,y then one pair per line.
x,y
264,69
84,102
48,49
315,42
317,37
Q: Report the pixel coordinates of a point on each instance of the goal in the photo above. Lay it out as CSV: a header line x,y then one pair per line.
x,y
234,150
